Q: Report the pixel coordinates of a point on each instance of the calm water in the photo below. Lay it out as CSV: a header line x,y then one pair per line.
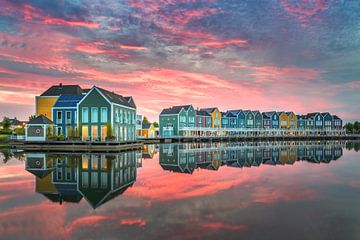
x,y
190,191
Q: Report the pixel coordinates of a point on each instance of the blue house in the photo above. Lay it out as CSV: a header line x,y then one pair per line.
x,y
229,119
327,120
258,119
274,119
301,120
249,119
240,116
310,121
266,120
337,122
64,114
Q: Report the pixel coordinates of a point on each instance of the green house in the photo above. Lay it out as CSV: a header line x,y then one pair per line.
x,y
177,120
103,114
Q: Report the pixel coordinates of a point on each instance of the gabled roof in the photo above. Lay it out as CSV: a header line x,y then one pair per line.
x,y
68,101
312,114
289,113
41,173
116,98
325,113
208,110
40,120
266,115
131,101
235,112
230,114
247,112
175,109
336,117
202,113
270,113
256,112
60,89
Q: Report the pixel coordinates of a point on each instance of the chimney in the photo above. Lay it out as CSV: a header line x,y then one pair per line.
x,y
60,85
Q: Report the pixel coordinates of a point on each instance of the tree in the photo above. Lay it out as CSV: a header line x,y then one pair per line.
x,y
31,117
349,127
156,124
145,121
356,126
6,123
109,131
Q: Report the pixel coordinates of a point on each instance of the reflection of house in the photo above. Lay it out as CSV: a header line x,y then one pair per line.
x,y
185,158
148,151
38,164
96,177
103,177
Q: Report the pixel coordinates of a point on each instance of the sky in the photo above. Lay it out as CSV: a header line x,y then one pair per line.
x,y
284,55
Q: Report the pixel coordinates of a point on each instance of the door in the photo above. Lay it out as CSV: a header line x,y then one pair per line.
x,y
94,133
85,133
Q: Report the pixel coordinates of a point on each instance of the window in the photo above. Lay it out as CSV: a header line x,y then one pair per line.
x,y
94,132
75,117
85,179
129,117
94,179
94,115
117,116
182,119
191,119
85,115
103,180
59,117
121,116
68,117
104,114
125,116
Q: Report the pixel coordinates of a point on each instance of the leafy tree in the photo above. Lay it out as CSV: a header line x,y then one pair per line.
x,y
356,126
6,123
156,124
349,127
20,131
145,121
31,117
109,131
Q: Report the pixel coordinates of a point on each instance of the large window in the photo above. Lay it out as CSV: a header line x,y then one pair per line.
x,y
94,114
85,115
59,117
104,114
121,116
68,117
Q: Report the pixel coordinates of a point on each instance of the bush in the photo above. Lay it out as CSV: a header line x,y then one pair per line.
x,y
20,131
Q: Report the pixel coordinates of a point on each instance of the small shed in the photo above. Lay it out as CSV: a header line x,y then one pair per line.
x,y
38,128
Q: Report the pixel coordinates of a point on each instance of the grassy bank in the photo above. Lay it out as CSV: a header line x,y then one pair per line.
x,y
4,140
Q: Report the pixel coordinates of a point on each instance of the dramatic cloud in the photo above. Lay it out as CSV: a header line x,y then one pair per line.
x,y
294,55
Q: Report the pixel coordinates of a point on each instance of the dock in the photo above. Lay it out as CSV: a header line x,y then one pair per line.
x,y
76,146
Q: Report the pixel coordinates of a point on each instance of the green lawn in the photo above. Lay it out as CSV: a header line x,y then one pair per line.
x,y
4,141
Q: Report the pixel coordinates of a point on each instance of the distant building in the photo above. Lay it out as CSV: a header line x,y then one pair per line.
x,y
139,119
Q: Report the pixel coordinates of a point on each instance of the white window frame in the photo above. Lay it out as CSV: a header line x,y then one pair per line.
x,y
93,119
85,117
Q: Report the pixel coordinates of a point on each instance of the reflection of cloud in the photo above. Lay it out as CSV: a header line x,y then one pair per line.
x,y
218,226
133,222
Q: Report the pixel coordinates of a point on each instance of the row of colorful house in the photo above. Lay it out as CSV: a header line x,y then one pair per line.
x,y
91,114
175,119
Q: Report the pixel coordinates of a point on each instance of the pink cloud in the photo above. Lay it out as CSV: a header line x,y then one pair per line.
x,y
133,222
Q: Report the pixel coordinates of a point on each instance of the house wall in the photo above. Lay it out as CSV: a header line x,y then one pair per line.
x,y
216,118
64,125
169,120
93,100
283,120
43,105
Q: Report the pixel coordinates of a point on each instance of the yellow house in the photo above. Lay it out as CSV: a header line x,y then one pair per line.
x,y
148,131
283,120
47,99
291,120
44,105
215,116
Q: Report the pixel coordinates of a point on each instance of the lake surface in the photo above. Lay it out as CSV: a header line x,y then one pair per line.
x,y
296,190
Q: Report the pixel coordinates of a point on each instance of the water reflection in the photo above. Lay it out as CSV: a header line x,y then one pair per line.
x,y
185,158
96,177
99,178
